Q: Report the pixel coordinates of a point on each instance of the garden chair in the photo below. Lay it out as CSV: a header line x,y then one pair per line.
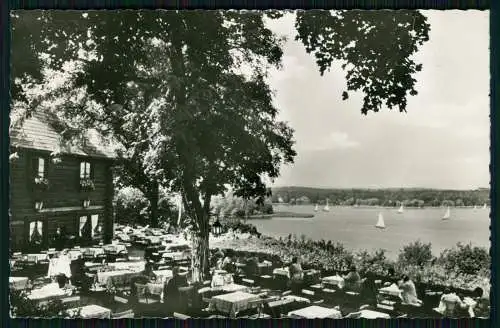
x,y
143,294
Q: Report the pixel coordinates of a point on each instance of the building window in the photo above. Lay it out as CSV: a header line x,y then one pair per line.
x,y
41,168
84,170
40,172
36,232
96,227
84,227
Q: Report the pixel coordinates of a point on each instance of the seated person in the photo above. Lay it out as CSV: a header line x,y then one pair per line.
x,y
79,277
352,281
482,307
450,305
171,294
148,272
228,265
296,275
408,291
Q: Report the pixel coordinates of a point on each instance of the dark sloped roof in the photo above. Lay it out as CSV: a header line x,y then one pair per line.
x,y
39,132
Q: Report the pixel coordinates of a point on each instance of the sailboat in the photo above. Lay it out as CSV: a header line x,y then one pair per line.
x,y
316,208
475,207
446,215
380,223
400,211
326,208
484,206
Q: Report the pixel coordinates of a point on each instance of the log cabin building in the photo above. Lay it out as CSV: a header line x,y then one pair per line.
x,y
58,192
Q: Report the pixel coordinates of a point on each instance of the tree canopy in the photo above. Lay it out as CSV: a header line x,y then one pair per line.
x,y
185,94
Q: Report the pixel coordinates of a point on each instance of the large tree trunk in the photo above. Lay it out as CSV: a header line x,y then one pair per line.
x,y
200,259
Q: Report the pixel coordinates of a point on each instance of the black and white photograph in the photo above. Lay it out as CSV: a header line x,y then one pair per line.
x,y
249,164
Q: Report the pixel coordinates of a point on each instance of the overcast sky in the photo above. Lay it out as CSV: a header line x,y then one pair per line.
x,y
443,140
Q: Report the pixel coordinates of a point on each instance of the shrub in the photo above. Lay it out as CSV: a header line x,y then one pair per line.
x,y
375,262
23,307
416,253
267,209
465,259
130,206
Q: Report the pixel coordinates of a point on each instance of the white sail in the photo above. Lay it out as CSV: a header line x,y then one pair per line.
x,y
326,208
484,206
475,207
316,208
400,209
280,200
380,223
446,215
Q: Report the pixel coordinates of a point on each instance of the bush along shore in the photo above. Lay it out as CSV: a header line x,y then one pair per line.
x,y
463,267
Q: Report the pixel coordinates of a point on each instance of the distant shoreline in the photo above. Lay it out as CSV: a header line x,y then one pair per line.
x,y
281,215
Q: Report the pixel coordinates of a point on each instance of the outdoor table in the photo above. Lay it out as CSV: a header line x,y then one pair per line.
x,y
18,283
132,266
370,314
74,254
233,303
163,275
91,311
47,292
37,257
281,272
93,251
333,281
391,290
229,288
59,265
315,312
297,298
115,278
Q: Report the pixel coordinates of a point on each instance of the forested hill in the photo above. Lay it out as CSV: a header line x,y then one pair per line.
x,y
414,197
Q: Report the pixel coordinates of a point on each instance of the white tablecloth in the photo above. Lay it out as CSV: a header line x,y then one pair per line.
x,y
37,257
315,312
281,272
334,280
47,292
369,314
163,275
18,282
59,265
123,276
232,303
132,266
391,290
74,253
92,311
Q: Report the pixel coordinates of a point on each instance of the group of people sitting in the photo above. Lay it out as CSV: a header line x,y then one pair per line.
x,y
450,305
171,289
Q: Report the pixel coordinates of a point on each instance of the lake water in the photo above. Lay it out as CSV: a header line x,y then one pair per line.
x,y
355,227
